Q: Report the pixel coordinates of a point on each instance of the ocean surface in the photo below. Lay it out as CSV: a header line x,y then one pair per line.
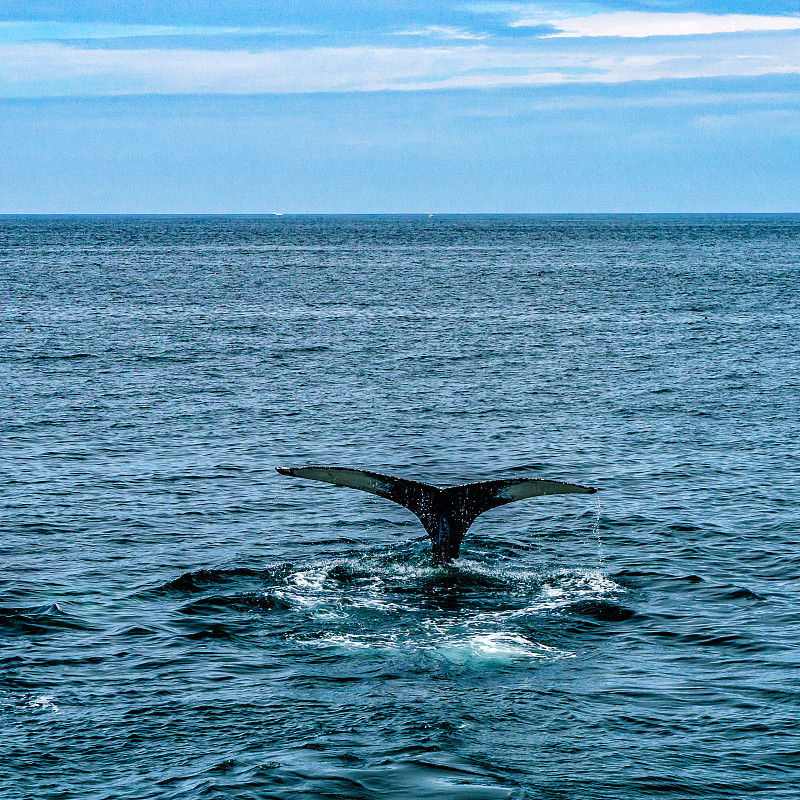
x,y
177,620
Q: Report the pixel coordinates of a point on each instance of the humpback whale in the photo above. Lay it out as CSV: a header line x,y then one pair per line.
x,y
445,512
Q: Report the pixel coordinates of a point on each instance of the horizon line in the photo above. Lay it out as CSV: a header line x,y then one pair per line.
x,y
423,214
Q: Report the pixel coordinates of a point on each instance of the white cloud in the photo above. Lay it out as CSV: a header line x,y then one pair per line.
x,y
37,31
49,69
441,32
638,24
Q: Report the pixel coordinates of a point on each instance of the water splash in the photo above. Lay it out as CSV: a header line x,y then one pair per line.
x,y
596,534
467,614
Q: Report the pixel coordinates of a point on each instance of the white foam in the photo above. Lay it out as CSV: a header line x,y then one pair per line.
x,y
493,648
44,703
452,646
468,635
314,589
566,587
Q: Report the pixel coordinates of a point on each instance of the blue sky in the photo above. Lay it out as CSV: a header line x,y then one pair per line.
x,y
246,106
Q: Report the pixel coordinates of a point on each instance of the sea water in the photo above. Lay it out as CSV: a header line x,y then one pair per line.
x,y
179,621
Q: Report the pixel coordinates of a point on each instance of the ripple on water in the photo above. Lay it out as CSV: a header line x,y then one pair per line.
x,y
51,618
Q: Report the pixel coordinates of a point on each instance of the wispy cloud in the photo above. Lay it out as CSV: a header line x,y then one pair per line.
x,y
37,31
639,24
67,58
442,32
49,69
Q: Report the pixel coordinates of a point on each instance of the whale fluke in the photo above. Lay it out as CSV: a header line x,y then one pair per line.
x,y
445,512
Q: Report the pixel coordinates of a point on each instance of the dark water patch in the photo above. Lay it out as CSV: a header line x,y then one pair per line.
x,y
600,610
333,542
222,626
632,578
305,349
716,639
49,528
201,580
453,579
217,631
739,593
245,602
135,631
11,680
40,620
348,574
632,521
683,633
167,358
683,527
58,357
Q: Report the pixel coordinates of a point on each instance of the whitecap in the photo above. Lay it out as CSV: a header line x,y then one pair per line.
x,y
43,702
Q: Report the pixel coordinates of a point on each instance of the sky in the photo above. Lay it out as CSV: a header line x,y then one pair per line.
x,y
385,106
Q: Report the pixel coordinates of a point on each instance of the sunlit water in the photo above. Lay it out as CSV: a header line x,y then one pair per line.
x,y
179,621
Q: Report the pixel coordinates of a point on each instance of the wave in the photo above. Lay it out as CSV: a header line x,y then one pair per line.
x,y
39,620
245,601
600,610
57,357
201,580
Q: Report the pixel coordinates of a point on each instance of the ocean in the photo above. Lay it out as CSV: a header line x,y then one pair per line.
x,y
177,620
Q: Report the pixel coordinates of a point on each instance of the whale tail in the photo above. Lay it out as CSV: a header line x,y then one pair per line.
x,y
445,513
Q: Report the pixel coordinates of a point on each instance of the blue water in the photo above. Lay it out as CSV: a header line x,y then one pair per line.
x,y
179,621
